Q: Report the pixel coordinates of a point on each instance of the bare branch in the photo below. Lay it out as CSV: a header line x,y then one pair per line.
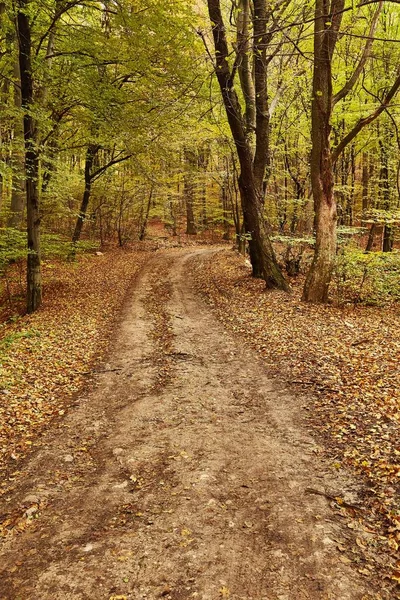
x,y
348,86
367,120
101,170
201,34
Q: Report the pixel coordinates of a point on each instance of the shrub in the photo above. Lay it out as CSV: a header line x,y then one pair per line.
x,y
371,278
293,253
12,247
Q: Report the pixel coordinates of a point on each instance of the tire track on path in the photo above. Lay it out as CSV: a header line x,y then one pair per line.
x,y
181,475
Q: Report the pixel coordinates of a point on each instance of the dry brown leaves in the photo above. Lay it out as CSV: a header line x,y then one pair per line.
x,y
45,358
349,358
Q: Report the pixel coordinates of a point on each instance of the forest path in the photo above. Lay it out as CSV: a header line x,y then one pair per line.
x,y
183,474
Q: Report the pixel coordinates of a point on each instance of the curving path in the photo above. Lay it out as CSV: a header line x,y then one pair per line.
x,y
183,473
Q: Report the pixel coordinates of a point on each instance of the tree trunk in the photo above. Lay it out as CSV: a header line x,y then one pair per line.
x,y
34,279
191,163
365,183
251,179
387,244
202,161
143,227
235,205
325,35
18,193
371,237
245,69
89,160
225,211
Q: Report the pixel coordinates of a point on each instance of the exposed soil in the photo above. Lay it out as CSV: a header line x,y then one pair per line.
x,y
185,473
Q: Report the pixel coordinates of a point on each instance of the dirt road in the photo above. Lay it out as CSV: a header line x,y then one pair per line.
x,y
183,474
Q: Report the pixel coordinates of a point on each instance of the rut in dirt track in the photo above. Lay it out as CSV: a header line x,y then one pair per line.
x,y
182,475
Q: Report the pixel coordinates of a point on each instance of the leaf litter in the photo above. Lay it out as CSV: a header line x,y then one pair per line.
x,y
347,362
46,357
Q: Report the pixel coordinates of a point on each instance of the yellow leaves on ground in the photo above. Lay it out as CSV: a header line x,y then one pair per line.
x,y
347,358
224,592
45,357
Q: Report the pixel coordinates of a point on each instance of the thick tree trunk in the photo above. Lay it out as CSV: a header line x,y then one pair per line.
x,y
260,246
89,160
251,179
34,279
318,279
319,276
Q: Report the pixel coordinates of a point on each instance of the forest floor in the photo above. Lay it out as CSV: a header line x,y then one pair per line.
x,y
184,470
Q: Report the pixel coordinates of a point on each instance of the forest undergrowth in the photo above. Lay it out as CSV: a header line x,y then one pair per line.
x,y
47,357
346,362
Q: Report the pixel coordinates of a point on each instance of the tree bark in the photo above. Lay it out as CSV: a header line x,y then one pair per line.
x,y
387,242
365,183
325,35
89,160
245,70
371,237
18,193
251,179
34,279
143,227
191,163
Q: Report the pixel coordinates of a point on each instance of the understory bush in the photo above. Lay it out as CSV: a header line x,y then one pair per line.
x,y
14,251
293,253
13,247
371,278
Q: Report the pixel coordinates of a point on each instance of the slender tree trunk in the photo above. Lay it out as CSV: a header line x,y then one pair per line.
x,y
48,166
299,188
225,211
143,227
18,192
191,163
235,206
89,160
387,243
245,68
202,162
34,279
371,237
350,197
365,183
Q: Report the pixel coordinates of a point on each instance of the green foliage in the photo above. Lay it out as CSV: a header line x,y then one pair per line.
x,y
13,247
294,253
8,340
293,241
344,234
54,246
371,278
383,216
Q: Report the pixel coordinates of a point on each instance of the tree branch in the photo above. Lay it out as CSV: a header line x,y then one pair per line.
x,y
348,86
367,120
101,170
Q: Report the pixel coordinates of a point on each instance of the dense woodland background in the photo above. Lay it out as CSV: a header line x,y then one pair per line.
x,y
230,120
274,128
